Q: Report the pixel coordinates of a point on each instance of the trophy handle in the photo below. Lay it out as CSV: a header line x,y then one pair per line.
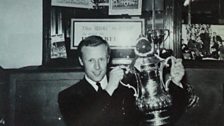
x,y
165,63
130,70
130,86
167,34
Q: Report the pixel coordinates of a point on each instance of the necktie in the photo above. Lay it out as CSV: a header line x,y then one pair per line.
x,y
99,87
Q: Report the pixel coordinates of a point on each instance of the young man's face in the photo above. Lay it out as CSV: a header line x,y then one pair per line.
x,y
94,60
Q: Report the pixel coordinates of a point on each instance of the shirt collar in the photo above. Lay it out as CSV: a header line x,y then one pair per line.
x,y
103,82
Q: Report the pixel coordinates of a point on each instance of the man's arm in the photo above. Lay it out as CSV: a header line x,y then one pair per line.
x,y
183,92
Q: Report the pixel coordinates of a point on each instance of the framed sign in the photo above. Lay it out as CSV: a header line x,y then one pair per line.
x,y
130,7
119,33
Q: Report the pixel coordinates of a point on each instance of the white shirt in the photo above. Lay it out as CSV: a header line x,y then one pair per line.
x,y
103,82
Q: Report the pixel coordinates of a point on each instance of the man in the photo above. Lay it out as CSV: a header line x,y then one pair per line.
x,y
86,104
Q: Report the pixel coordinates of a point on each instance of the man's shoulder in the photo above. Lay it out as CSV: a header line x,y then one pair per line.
x,y
72,90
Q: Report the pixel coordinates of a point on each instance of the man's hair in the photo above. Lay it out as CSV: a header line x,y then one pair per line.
x,y
92,41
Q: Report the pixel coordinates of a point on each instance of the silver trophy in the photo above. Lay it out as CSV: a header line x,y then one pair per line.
x,y
151,92
151,83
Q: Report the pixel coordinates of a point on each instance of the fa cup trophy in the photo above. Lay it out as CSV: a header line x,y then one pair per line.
x,y
151,89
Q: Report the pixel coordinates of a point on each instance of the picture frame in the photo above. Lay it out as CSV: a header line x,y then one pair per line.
x,y
119,33
202,42
72,3
130,7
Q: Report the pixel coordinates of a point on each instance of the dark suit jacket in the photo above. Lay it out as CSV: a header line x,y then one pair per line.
x,y
81,105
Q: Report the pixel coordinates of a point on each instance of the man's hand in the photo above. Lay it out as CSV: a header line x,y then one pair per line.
x,y
177,71
115,75
187,2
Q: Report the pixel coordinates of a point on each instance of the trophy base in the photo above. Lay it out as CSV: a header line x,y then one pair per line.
x,y
157,118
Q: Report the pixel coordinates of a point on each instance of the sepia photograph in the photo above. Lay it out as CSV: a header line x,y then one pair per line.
x,y
202,42
130,7
72,3
112,63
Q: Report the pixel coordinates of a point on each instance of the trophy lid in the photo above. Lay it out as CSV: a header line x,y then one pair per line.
x,y
144,47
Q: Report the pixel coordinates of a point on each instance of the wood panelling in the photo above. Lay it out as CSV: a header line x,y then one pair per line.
x,y
33,97
208,85
3,96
